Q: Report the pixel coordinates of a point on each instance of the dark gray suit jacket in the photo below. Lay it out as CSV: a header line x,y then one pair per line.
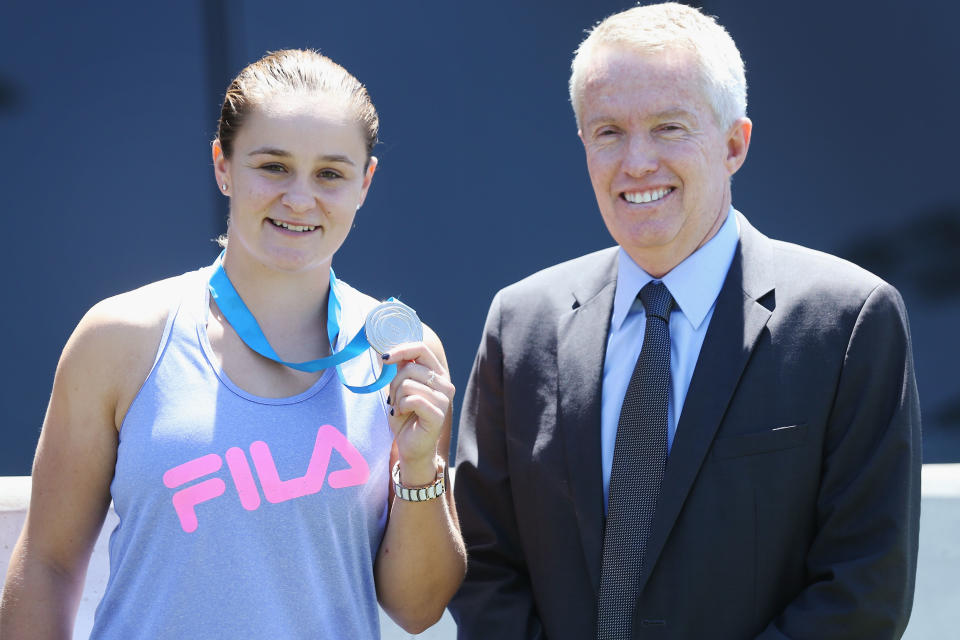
x,y
791,501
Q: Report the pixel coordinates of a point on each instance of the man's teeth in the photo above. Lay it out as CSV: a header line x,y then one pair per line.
x,y
292,227
646,196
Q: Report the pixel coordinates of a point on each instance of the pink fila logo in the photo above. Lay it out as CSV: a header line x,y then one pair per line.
x,y
274,489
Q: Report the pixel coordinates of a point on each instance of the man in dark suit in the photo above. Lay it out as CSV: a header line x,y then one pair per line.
x,y
701,433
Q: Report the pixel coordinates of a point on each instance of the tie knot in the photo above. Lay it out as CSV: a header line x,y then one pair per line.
x,y
657,300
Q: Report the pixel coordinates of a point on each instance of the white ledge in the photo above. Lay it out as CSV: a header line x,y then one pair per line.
x,y
934,608
14,493
940,481
937,481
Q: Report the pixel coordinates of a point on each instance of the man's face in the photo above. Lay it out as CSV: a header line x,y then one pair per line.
x,y
659,162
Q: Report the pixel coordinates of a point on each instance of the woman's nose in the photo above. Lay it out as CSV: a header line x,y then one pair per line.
x,y
298,198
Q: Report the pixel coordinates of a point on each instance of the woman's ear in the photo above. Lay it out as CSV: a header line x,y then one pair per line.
x,y
367,179
221,167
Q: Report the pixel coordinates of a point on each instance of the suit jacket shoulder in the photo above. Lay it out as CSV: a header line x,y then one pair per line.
x,y
820,273
789,279
563,284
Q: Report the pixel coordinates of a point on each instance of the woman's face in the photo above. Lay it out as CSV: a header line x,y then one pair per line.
x,y
296,179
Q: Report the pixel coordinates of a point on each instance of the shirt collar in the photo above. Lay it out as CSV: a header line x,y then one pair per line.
x,y
694,284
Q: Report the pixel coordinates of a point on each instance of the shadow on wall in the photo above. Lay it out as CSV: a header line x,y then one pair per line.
x,y
921,254
921,257
950,412
9,96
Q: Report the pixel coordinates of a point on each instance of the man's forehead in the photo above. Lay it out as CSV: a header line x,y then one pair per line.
x,y
623,62
643,85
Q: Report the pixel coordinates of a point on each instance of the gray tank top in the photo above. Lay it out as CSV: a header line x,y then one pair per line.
x,y
242,516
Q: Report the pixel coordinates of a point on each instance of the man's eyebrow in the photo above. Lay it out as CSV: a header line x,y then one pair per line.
x,y
592,122
674,112
670,112
280,153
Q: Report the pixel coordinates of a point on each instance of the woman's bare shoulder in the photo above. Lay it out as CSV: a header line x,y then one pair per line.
x,y
117,339
129,320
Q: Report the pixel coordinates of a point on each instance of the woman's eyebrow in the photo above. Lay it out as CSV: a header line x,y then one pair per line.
x,y
280,153
270,151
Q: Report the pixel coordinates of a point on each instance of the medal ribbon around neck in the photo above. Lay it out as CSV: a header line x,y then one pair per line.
x,y
388,324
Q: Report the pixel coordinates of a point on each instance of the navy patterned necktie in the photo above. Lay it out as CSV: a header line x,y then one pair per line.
x,y
639,461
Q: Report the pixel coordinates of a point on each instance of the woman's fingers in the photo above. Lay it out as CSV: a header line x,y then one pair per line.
x,y
414,352
420,399
411,389
428,378
429,404
431,407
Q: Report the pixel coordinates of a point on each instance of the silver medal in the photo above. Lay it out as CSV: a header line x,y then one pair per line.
x,y
390,324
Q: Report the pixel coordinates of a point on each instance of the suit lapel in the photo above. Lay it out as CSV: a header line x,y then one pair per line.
x,y
581,346
737,323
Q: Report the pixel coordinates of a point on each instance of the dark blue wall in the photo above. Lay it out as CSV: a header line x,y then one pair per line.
x,y
106,116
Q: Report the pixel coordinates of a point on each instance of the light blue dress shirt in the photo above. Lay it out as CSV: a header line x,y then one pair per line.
x,y
694,284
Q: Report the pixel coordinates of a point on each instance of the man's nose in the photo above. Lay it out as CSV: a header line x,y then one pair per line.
x,y
640,157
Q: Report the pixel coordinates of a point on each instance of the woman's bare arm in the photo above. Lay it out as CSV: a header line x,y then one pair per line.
x,y
422,559
101,368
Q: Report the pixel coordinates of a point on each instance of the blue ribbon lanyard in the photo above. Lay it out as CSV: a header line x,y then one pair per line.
x,y
245,325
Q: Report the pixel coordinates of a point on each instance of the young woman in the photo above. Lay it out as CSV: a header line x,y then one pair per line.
x,y
256,499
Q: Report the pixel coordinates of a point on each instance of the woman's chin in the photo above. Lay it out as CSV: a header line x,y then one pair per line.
x,y
294,260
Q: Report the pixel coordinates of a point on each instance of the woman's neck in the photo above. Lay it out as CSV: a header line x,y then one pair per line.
x,y
290,307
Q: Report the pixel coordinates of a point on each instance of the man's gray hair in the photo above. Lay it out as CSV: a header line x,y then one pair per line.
x,y
653,28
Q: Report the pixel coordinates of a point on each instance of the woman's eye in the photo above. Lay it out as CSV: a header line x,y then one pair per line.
x,y
273,167
328,174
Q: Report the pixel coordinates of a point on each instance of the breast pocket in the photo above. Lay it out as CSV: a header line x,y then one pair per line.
x,y
749,444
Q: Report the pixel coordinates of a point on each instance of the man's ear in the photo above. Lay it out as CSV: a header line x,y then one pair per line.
x,y
738,142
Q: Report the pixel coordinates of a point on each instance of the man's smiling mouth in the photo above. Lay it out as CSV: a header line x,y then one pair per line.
x,y
642,197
